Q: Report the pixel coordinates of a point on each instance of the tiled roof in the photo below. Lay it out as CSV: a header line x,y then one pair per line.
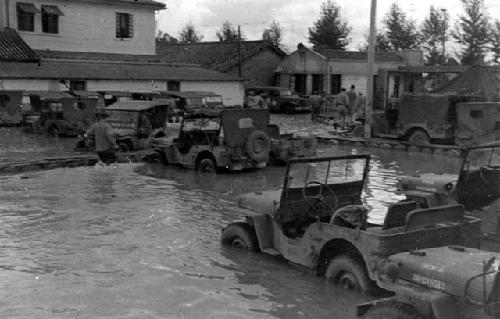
x,y
219,56
92,56
14,49
356,55
93,70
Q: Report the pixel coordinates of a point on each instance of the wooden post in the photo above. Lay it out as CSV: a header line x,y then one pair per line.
x,y
7,14
369,77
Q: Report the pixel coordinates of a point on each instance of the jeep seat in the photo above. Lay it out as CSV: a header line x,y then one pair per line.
x,y
351,216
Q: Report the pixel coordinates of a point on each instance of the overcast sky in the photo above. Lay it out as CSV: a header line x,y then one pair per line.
x,y
295,16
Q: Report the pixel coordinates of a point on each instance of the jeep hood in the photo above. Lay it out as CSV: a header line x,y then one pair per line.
x,y
266,202
452,270
429,182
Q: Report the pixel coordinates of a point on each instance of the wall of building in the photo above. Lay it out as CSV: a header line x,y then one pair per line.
x,y
90,27
232,91
259,68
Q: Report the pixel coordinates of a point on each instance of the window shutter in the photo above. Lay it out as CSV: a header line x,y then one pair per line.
x,y
118,33
130,26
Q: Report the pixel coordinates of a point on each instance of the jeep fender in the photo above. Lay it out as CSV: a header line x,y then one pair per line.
x,y
428,302
263,225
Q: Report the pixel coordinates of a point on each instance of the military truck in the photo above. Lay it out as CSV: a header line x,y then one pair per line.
x,y
213,139
316,219
427,118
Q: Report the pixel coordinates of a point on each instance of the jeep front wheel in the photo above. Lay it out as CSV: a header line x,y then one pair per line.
x,y
240,236
207,166
392,310
348,273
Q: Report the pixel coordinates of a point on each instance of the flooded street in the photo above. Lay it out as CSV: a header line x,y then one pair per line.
x,y
142,241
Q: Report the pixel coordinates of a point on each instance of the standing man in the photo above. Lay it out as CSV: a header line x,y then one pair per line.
x,y
342,102
316,101
102,134
360,105
352,101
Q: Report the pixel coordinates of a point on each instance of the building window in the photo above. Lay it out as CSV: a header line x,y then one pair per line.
x,y
173,86
26,16
124,25
50,19
78,85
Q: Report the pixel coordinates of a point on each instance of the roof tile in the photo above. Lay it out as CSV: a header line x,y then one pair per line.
x,y
219,56
14,49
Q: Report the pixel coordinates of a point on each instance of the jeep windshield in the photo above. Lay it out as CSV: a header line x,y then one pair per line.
x,y
482,156
201,124
338,170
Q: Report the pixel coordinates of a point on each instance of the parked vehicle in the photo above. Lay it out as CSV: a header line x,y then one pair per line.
x,y
66,116
194,101
317,220
476,185
281,99
232,139
11,107
426,118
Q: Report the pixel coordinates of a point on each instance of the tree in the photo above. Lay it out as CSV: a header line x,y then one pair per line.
x,y
163,36
273,34
229,33
330,30
401,32
189,34
433,32
472,31
495,39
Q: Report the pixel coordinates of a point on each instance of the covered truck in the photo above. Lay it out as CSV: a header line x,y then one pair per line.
x,y
424,118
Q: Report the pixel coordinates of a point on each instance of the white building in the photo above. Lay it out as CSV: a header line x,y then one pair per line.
x,y
97,45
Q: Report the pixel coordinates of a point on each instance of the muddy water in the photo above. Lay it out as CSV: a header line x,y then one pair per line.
x,y
142,241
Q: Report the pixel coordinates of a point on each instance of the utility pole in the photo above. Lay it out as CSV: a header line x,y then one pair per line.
x,y
445,18
369,77
239,51
7,14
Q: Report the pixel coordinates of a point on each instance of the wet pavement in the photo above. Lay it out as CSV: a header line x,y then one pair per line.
x,y
142,241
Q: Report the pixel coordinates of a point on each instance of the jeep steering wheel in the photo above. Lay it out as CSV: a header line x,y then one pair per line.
x,y
313,200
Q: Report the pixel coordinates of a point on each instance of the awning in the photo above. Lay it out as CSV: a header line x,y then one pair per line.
x,y
27,7
52,10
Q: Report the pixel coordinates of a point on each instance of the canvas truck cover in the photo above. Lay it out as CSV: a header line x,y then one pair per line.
x,y
478,123
76,110
238,124
431,108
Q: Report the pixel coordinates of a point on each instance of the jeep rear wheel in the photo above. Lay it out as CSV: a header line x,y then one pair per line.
x,y
392,310
241,236
207,166
348,273
258,146
419,137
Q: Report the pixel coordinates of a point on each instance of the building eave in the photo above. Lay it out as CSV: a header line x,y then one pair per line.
x,y
136,3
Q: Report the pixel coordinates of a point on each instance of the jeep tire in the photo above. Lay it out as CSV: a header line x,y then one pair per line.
x,y
207,165
258,146
392,310
240,235
348,273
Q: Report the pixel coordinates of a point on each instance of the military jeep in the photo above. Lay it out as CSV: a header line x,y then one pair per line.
x,y
233,139
317,220
476,185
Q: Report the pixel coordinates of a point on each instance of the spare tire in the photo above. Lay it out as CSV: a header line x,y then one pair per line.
x,y
258,146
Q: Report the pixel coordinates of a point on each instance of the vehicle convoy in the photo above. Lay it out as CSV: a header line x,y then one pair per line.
x,y
476,185
233,139
281,100
439,118
425,260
